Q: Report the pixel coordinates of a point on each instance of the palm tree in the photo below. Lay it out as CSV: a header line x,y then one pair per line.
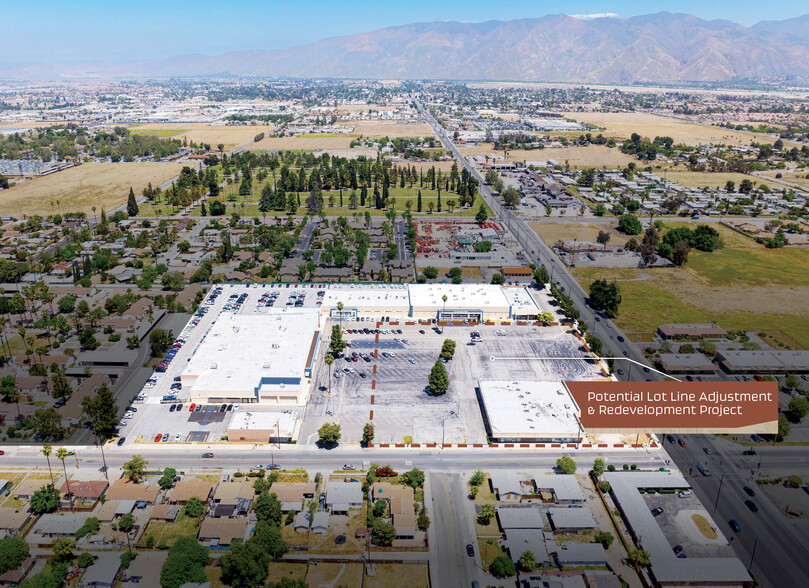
x,y
329,361
62,454
444,298
340,310
94,213
46,451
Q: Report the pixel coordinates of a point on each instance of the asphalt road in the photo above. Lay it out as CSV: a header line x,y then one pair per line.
x,y
781,556
540,254
454,567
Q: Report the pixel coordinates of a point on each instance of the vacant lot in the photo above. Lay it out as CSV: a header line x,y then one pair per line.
x,y
390,575
691,179
312,143
334,574
576,157
386,128
800,179
623,124
78,189
743,286
230,136
551,232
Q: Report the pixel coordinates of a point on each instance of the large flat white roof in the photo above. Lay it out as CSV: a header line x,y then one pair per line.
x,y
388,296
520,300
459,296
242,352
530,408
276,421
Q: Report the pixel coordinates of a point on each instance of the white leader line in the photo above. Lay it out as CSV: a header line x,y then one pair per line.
x,y
495,358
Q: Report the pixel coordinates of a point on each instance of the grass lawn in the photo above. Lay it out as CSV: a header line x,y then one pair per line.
x,y
214,576
279,570
489,550
335,574
168,533
741,286
399,576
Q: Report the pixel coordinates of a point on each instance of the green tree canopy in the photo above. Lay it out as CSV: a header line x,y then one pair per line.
x,y
438,379
566,465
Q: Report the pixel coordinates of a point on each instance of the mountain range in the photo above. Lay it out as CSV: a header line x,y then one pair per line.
x,y
662,47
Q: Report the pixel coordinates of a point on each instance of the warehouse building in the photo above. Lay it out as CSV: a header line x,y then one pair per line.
x,y
261,358
529,411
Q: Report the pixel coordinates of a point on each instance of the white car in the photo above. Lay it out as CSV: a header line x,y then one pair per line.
x,y
129,415
177,437
501,332
123,423
411,360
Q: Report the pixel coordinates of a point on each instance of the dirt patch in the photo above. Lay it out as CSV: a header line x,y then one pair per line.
x,y
704,526
78,189
230,136
691,179
623,124
551,232
385,128
302,143
576,157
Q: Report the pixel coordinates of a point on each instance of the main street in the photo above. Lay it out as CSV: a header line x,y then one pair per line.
x,y
779,556
536,250
244,456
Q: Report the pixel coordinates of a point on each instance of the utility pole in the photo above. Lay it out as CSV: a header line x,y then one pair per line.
x,y
752,555
716,503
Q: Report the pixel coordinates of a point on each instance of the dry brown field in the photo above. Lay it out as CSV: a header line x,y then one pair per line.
x,y
384,128
623,124
230,136
691,179
551,232
577,157
80,188
312,143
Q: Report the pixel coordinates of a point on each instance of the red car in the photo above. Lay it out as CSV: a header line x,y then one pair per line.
x,y
158,437
192,407
681,442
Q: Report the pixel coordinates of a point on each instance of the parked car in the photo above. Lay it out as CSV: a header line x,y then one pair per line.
x,y
157,438
751,505
192,407
681,442
657,511
734,525
121,441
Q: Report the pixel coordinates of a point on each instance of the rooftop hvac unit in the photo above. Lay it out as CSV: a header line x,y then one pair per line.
x,y
214,366
266,366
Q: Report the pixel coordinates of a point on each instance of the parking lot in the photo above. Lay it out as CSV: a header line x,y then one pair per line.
x,y
154,419
678,526
393,387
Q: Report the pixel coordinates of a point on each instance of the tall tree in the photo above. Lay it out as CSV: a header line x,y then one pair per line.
x,y
62,454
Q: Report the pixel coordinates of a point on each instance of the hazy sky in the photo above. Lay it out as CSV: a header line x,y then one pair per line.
x,y
37,30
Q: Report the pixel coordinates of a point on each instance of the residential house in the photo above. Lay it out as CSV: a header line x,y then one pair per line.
x,y
126,490
221,531
342,497
14,577
190,487
103,573
400,500
567,519
87,491
13,521
320,522
291,495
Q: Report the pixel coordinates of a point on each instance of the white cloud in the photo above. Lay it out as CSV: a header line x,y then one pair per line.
x,y
598,15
